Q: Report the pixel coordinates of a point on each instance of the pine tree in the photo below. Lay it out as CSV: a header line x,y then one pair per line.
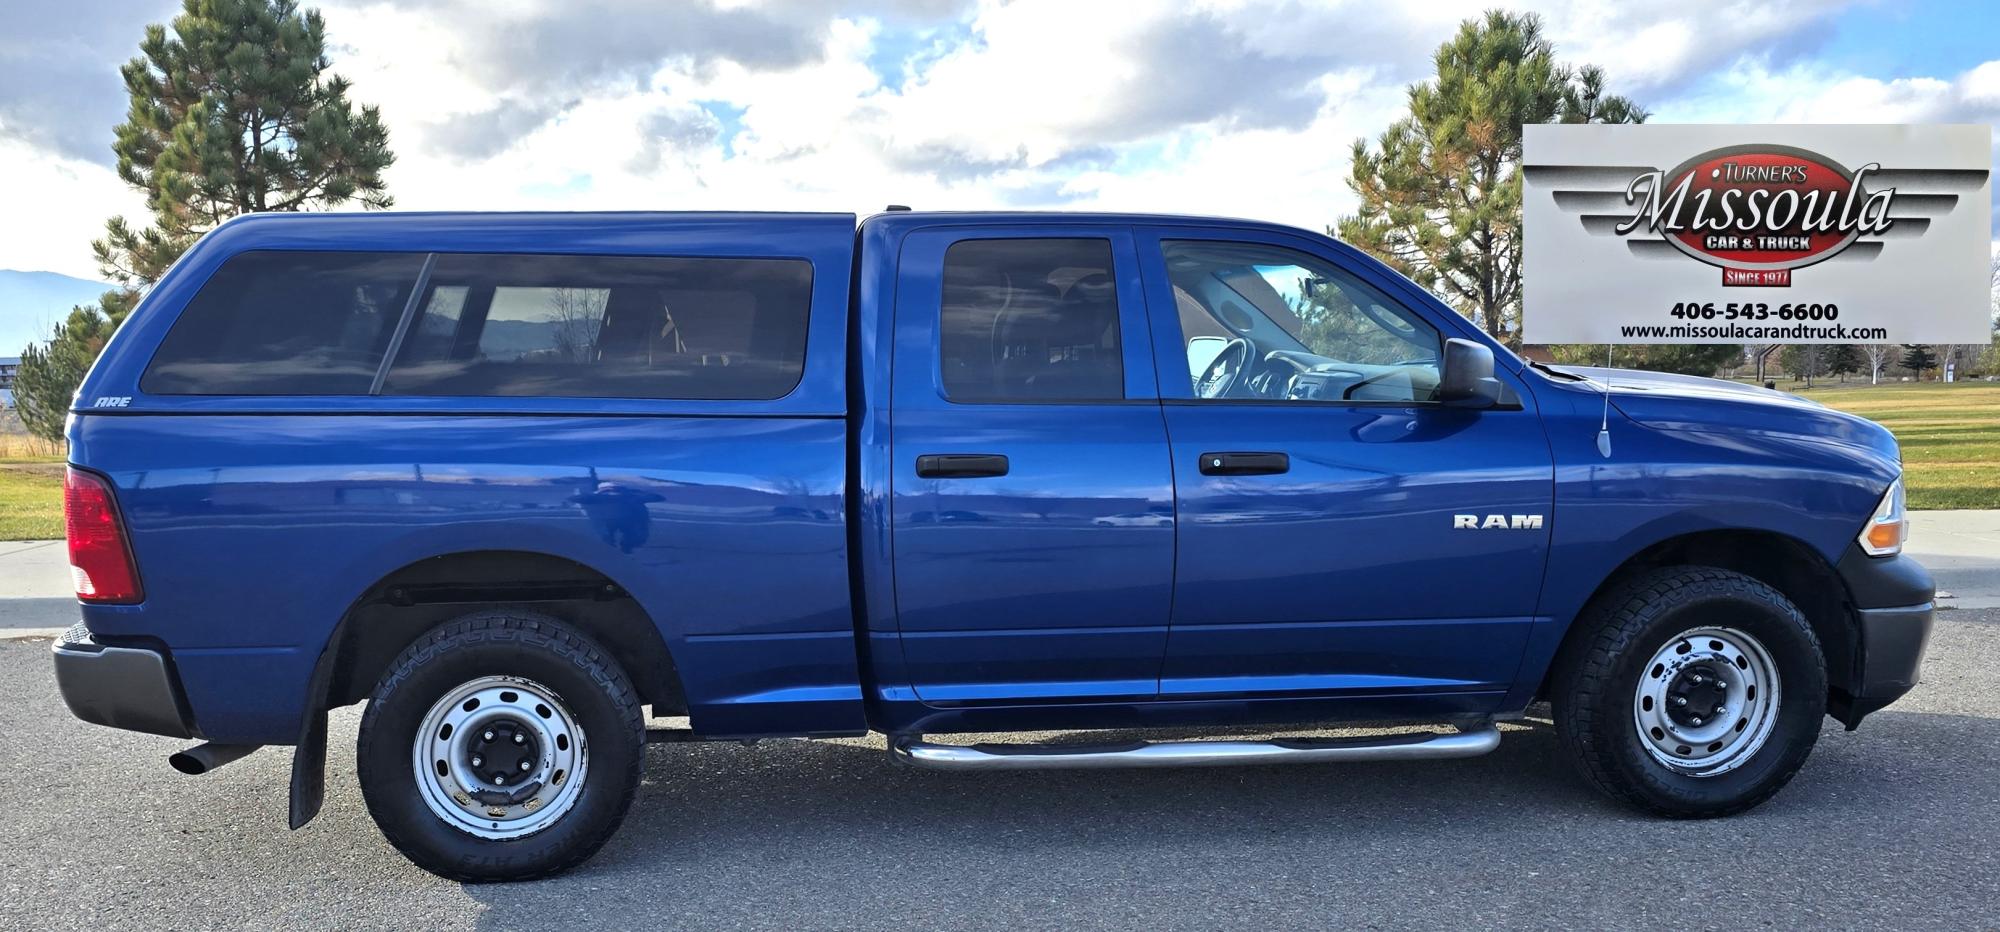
x,y
1843,358
235,112
1917,358
46,383
1441,191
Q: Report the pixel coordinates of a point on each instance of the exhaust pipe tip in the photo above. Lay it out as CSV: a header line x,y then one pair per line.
x,y
203,758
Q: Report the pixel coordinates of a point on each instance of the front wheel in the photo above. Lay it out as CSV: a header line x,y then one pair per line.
x,y
503,745
1691,692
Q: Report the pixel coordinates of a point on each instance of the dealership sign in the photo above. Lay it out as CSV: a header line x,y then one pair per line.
x,y
1659,233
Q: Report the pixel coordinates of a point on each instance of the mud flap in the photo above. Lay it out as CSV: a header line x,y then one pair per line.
x,y
309,768
309,758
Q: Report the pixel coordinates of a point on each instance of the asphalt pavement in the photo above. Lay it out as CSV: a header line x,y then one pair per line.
x,y
1893,826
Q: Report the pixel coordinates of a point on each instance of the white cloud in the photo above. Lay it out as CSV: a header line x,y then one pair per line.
x,y
1807,92
1229,109
1236,107
1650,47
54,207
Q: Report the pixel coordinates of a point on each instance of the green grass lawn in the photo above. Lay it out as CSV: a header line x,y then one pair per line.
x,y
30,500
1950,435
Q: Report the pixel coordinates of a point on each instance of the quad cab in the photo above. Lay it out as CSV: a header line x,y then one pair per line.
x,y
521,482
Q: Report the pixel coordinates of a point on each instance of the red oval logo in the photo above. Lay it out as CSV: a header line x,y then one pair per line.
x,y
1759,207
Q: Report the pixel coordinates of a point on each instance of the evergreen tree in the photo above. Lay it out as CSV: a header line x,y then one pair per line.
x,y
232,112
235,112
1917,358
46,383
1841,359
1441,190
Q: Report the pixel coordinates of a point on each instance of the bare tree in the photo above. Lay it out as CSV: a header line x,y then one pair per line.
x,y
1879,355
1961,357
1760,353
1805,360
578,314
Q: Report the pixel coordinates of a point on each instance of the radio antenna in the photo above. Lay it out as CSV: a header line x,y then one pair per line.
x,y
1604,418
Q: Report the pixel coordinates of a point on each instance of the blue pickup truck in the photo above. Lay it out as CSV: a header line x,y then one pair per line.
x,y
520,481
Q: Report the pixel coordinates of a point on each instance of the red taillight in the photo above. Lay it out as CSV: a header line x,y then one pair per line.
x,y
99,557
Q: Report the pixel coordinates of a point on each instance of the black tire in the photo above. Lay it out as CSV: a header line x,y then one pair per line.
x,y
501,642
1599,671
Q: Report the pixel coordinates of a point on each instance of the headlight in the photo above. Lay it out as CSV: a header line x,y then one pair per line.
x,y
1890,524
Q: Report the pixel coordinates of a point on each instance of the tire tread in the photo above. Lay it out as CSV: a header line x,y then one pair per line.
x,y
1585,676
530,629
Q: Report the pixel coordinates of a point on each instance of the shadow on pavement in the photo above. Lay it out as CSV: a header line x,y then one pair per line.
x,y
836,834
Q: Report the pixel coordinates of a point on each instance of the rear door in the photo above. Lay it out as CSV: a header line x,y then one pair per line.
x,y
1323,496
1032,497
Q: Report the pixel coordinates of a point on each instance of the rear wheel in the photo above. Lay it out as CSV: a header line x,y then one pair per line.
x,y
1691,692
503,745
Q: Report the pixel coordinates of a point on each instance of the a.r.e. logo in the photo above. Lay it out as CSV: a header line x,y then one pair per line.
x,y
1501,522
112,401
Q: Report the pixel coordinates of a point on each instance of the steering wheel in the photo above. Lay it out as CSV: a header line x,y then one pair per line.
x,y
1224,371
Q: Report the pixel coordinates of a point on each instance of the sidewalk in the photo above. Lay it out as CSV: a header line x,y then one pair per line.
x,y
1962,551
35,592
1961,548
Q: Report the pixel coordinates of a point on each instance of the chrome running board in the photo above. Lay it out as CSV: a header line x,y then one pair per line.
x,y
1470,742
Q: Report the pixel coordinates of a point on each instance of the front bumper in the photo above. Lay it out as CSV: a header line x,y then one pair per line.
x,y
1894,602
133,688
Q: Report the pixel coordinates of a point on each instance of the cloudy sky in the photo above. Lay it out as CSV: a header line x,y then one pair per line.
x,y
1237,107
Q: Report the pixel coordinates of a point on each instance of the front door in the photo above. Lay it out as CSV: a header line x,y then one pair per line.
x,y
1032,498
1322,495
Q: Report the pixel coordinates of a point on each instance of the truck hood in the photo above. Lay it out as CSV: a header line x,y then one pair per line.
x,y
1666,401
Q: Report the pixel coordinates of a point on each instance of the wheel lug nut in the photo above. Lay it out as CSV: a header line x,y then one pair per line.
x,y
500,779
477,760
1696,721
486,737
520,739
1680,700
524,765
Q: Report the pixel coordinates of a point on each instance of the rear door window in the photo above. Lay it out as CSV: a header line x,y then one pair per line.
x,y
1030,320
607,326
286,323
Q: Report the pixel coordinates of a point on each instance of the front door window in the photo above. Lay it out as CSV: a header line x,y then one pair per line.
x,y
1269,323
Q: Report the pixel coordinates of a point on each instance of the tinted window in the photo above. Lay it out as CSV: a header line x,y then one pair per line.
x,y
1030,320
1264,322
286,323
608,327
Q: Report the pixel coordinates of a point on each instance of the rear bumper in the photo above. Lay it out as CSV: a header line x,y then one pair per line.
x,y
133,688
1894,607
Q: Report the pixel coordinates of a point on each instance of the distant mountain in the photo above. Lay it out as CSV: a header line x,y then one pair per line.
x,y
32,302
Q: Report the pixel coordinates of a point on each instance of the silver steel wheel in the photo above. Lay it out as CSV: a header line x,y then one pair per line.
x,y
1707,701
500,757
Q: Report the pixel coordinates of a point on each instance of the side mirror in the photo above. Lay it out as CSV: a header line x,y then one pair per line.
x,y
1467,380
